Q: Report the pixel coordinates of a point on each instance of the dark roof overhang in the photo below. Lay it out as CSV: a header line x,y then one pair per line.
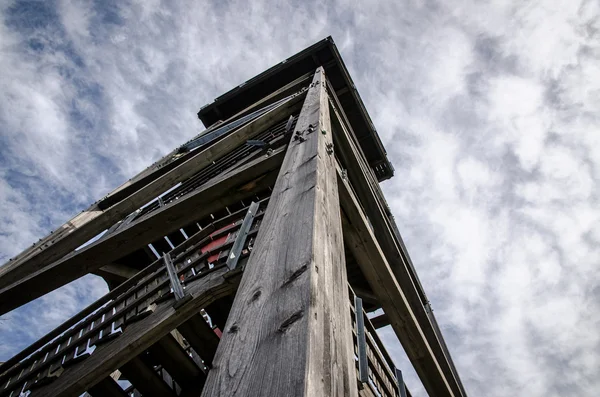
x,y
324,53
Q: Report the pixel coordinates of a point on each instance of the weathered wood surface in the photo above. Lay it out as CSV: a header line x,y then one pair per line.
x,y
288,333
371,198
201,337
286,90
380,321
380,365
189,244
145,379
117,270
220,192
107,388
360,239
177,362
138,337
93,221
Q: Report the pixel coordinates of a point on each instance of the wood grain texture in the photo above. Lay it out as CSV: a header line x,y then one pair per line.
x,y
201,337
107,388
216,194
137,337
363,244
145,379
177,362
288,333
93,221
370,196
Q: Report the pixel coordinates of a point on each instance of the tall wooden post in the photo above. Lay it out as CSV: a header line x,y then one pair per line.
x,y
288,333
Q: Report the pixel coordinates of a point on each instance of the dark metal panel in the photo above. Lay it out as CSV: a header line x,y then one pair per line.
x,y
236,250
175,283
401,386
363,364
324,53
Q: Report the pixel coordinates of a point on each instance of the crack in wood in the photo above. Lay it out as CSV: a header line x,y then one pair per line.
x,y
287,323
255,296
295,275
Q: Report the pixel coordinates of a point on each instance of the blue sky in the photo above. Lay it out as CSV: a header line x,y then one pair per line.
x,y
489,111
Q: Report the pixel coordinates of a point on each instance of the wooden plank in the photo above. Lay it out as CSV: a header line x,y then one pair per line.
x,y
93,221
288,332
220,192
145,379
370,196
367,392
107,387
281,93
380,321
201,337
359,237
7,367
137,337
118,271
177,362
367,296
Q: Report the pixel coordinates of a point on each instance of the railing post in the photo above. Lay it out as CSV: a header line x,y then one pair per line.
x,y
175,283
363,364
236,250
400,380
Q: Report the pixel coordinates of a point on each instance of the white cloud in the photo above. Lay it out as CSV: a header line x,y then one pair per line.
x,y
488,111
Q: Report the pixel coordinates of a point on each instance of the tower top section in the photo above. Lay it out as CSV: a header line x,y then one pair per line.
x,y
324,53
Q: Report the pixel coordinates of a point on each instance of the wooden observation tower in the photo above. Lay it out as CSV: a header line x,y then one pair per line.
x,y
243,263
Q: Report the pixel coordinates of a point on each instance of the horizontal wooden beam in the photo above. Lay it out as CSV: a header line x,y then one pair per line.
x,y
169,353
359,238
145,379
223,190
94,220
138,337
201,337
380,321
116,270
367,296
107,387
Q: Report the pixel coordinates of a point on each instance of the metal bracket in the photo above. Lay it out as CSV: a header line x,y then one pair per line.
x,y
175,283
240,239
299,136
288,125
363,364
329,148
256,143
344,174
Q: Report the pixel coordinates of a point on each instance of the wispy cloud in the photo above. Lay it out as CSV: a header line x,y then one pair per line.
x,y
489,112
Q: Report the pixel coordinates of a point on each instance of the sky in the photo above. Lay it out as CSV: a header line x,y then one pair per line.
x,y
489,111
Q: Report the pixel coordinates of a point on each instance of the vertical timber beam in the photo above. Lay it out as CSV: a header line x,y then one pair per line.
x,y
289,332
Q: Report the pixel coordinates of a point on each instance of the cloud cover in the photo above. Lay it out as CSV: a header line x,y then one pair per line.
x,y
488,110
